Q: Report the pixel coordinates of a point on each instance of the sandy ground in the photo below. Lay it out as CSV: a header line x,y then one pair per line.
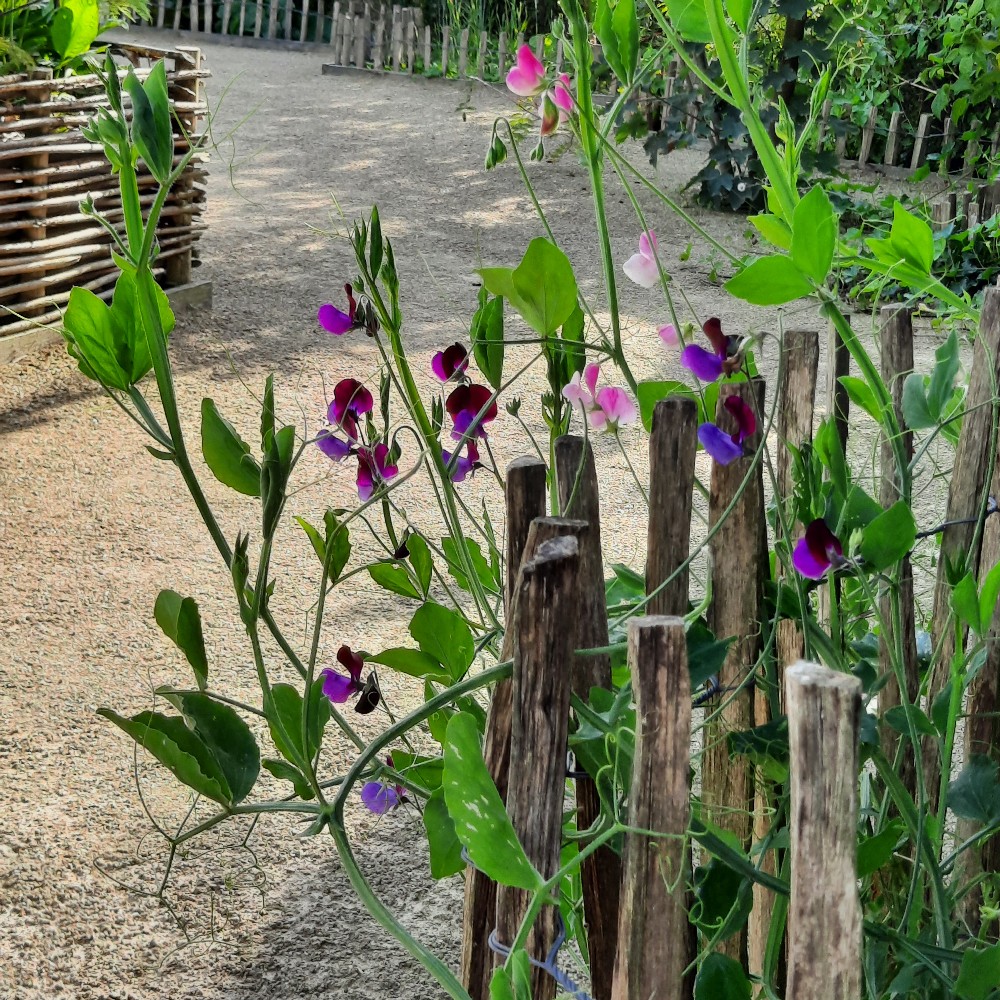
x,y
92,527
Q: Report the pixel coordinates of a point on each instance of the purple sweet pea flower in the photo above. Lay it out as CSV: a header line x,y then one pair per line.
x,y
379,798
339,687
723,447
464,406
332,446
722,360
817,551
448,363
464,465
705,367
351,400
374,469
336,322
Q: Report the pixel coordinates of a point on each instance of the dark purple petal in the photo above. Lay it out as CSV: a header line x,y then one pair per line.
x,y
822,542
448,363
437,366
337,687
703,365
379,798
462,468
332,446
712,328
354,662
473,398
382,467
719,444
746,422
349,397
806,563
333,320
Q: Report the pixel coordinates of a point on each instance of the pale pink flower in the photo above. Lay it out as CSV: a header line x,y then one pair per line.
x,y
527,76
669,335
641,267
606,408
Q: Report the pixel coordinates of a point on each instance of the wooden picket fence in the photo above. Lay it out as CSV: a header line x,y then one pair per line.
x,y
640,941
47,169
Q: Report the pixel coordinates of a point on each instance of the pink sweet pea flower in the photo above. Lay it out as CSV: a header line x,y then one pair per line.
x,y
606,408
527,76
817,551
374,469
641,267
550,115
562,98
669,336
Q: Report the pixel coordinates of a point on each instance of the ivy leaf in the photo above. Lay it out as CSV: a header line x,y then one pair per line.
x,y
975,794
480,818
769,281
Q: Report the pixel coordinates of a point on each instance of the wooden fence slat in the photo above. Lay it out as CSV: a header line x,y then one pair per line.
x,y
502,54
347,40
397,38
966,495
896,338
445,46
411,41
378,56
359,41
737,570
540,46
208,16
258,19
427,48
526,497
824,919
579,497
272,18
892,142
243,17
919,155
651,962
867,136
193,15
672,447
463,54
481,55
946,145
161,9
543,656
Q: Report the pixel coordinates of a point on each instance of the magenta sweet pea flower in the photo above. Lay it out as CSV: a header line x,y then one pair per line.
x,y
336,322
465,404
669,335
722,360
381,798
464,465
450,362
332,446
527,76
351,401
340,687
723,447
550,115
817,551
562,98
641,267
606,408
374,469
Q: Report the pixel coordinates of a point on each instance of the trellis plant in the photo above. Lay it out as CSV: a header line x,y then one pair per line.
x,y
915,941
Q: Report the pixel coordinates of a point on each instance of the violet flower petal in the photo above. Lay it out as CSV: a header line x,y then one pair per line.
x,y
703,365
719,444
379,798
337,687
806,563
333,320
332,446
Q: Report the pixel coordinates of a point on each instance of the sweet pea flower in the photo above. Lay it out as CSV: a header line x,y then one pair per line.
x,y
723,359
381,798
669,335
723,447
817,551
464,465
450,362
336,322
641,267
606,408
374,469
550,115
527,76
465,404
351,400
339,687
562,98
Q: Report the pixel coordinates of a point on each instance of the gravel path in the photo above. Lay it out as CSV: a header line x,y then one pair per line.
x,y
92,528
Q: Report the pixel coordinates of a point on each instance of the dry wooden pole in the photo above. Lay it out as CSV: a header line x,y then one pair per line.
x,y
359,41
543,657
397,38
411,43
672,447
651,959
259,18
445,46
892,142
579,497
824,918
427,48
919,156
947,144
502,55
193,15
944,210
272,18
378,52
737,570
161,9
287,27
897,362
347,42
177,15
526,500
481,55
867,135
243,17
463,54
960,543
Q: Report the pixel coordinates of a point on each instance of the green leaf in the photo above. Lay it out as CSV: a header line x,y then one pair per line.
x,y
486,334
337,535
420,560
769,281
979,973
721,978
916,412
626,28
481,821
723,900
514,984
739,11
690,20
911,238
227,737
283,709
773,229
889,537
170,741
151,129
394,578
226,453
650,392
444,635
284,771
445,847
975,794
414,662
75,25
942,382
875,851
180,621
965,603
571,346
830,450
861,395
989,599
480,565
604,28
895,717
375,244
425,771
814,235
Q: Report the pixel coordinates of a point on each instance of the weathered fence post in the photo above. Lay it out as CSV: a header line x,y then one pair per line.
x,y
737,569
481,55
672,447
272,18
920,142
360,37
502,55
445,46
347,42
892,143
463,54
542,684
397,38
427,48
526,500
824,918
966,502
897,362
651,960
579,497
